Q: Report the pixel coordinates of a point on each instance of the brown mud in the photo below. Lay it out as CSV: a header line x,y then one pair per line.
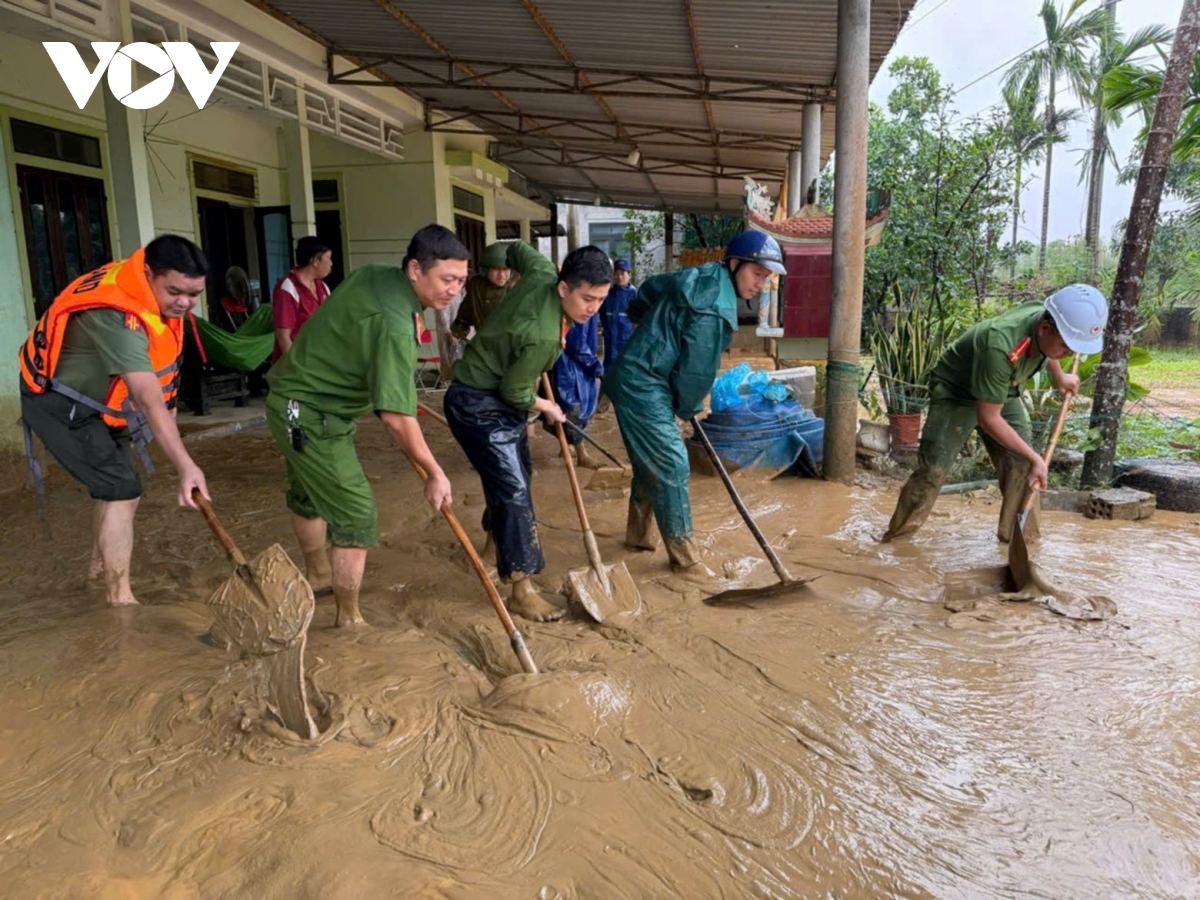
x,y
853,739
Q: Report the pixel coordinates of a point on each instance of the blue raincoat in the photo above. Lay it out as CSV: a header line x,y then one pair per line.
x,y
575,376
614,317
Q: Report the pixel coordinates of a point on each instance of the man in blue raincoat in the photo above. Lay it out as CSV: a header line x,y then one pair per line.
x,y
574,377
684,320
614,313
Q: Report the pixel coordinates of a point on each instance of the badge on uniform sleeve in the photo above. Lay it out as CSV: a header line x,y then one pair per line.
x,y
1018,351
132,322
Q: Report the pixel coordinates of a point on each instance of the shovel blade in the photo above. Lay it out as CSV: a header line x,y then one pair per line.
x,y
602,598
267,611
741,595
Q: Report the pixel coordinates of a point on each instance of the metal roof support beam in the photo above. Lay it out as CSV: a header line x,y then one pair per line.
x,y
458,74
849,226
698,58
581,78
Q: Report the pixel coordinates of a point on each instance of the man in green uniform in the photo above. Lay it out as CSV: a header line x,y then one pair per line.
x,y
495,390
977,383
684,321
356,355
484,292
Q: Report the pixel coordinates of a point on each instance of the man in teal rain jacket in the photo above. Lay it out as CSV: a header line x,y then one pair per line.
x,y
684,320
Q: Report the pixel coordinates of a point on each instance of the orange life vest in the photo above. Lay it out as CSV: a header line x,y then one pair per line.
x,y
119,285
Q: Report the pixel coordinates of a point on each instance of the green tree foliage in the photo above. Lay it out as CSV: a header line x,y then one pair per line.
x,y
949,181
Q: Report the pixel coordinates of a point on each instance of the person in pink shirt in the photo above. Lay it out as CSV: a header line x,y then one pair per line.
x,y
298,293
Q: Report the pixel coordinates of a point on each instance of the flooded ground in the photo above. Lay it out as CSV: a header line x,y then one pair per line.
x,y
854,740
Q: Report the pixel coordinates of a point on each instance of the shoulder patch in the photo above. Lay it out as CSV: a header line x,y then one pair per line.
x,y
1018,351
132,322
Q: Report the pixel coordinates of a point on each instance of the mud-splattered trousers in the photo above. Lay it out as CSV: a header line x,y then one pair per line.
x,y
492,434
947,428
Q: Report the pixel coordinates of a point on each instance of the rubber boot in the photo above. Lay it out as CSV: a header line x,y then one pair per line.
x,y
1012,474
348,613
683,552
584,458
318,572
915,504
526,602
640,530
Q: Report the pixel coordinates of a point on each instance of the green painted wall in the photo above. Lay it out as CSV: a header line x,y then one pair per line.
x,y
13,325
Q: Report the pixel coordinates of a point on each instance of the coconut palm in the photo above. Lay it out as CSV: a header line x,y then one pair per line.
x,y
1113,51
1061,57
1027,136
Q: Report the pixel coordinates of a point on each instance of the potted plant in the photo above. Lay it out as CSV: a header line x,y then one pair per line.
x,y
904,354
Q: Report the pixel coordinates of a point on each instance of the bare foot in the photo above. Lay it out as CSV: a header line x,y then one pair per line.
x,y
123,600
535,607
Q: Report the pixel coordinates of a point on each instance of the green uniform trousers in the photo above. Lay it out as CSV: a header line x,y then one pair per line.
x,y
325,479
946,430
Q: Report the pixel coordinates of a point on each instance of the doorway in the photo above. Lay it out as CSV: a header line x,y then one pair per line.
x,y
329,230
473,234
66,229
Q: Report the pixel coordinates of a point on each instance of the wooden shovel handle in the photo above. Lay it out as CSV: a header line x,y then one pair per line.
x,y
566,452
218,529
432,413
515,638
1054,433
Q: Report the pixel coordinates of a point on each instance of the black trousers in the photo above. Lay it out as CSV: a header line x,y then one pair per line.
x,y
492,434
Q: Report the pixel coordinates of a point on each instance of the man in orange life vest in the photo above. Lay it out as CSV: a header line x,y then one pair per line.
x,y
99,374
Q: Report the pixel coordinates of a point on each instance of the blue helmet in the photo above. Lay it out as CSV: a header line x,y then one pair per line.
x,y
622,264
757,247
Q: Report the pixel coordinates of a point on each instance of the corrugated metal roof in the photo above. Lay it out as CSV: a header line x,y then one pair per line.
x,y
584,83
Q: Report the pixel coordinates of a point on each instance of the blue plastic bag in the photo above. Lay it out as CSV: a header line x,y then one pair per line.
x,y
776,392
757,383
725,391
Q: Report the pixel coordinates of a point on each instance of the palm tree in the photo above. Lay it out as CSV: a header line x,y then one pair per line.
x,y
1027,136
1112,52
1060,56
1130,85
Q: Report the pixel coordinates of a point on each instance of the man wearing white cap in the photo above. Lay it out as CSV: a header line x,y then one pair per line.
x,y
977,383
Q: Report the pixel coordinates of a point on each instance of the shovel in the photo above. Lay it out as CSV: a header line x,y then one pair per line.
x,y
603,591
786,581
264,609
515,638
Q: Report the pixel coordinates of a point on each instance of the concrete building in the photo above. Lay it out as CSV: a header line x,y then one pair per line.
x,y
275,153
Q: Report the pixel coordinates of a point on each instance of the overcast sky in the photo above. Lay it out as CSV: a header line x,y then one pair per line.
x,y
966,38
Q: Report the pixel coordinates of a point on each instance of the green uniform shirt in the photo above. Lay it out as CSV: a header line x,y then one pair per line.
x,y
522,337
358,352
991,359
481,299
96,347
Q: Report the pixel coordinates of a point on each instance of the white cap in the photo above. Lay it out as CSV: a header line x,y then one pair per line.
x,y
1080,312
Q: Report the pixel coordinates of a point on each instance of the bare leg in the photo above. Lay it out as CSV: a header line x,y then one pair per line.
x,y
310,533
348,566
96,566
113,521
584,458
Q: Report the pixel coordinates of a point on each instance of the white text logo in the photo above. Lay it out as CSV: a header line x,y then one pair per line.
x,y
165,61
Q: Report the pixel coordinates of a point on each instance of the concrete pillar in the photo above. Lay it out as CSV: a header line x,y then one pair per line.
x,y
669,240
130,174
526,231
810,150
298,160
128,167
554,251
795,194
849,224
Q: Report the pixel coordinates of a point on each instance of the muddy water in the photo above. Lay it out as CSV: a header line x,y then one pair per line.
x,y
858,740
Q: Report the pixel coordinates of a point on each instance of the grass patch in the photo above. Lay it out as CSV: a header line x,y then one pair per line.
x,y
1170,369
